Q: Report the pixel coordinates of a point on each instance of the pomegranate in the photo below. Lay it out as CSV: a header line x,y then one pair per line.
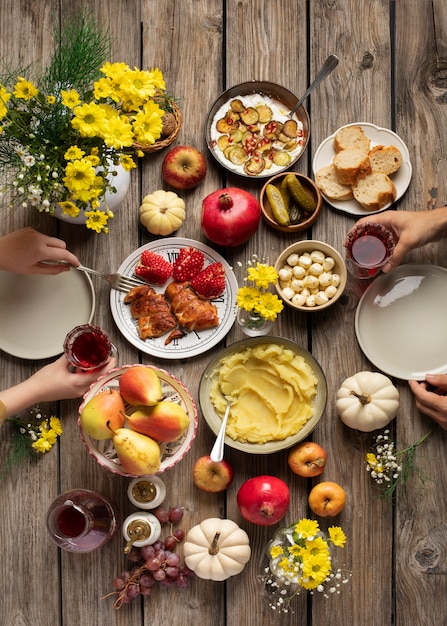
x,y
263,500
230,216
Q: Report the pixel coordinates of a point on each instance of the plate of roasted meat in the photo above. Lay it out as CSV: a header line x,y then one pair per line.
x,y
188,304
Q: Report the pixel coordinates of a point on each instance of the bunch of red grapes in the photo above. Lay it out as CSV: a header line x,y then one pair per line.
x,y
154,563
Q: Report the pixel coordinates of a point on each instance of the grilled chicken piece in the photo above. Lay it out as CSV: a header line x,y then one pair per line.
x,y
192,312
152,311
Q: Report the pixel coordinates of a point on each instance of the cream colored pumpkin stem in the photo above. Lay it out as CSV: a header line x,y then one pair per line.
x,y
364,398
214,548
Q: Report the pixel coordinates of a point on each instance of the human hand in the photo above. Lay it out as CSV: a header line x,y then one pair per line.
x,y
23,251
431,397
413,229
56,382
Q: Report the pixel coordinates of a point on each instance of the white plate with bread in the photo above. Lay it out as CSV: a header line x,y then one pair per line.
x,y
362,169
187,344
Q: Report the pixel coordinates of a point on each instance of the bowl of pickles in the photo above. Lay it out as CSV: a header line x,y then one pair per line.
x,y
290,202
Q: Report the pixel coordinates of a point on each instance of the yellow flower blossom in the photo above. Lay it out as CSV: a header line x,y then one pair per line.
x,y
276,551
97,220
25,89
89,119
69,208
79,174
307,528
73,153
51,99
70,98
247,297
268,306
55,424
147,125
337,536
118,133
127,162
262,275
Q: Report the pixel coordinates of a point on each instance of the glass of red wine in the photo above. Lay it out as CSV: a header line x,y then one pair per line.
x,y
368,247
88,347
81,520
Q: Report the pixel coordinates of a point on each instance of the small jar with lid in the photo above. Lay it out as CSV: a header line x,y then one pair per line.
x,y
140,529
147,492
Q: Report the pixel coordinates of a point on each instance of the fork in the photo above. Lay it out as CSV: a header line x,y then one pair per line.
x,y
116,281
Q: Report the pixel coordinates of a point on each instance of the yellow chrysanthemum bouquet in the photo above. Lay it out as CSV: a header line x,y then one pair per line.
x,y
299,557
254,297
63,134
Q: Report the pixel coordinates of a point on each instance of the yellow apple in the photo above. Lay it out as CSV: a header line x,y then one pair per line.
x,y
327,499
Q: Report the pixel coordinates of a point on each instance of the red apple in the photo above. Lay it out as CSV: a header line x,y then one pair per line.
x,y
230,217
307,459
327,499
212,476
184,167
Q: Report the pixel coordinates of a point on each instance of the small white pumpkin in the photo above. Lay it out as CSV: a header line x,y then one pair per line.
x,y
216,549
367,401
162,212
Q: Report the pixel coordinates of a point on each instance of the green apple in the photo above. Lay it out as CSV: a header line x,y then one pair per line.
x,y
103,414
166,421
140,386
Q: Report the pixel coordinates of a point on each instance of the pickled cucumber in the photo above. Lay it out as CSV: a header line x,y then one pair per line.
x,y
277,205
301,197
285,192
295,214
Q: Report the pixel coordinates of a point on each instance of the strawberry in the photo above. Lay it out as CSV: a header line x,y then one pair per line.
x,y
153,268
210,282
188,264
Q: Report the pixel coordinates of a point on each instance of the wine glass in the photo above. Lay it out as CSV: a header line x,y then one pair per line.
x,y
88,348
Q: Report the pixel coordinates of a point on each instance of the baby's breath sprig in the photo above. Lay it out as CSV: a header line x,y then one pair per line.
x,y
389,467
33,434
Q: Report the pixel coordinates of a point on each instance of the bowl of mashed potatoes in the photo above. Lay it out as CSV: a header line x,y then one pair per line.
x,y
277,391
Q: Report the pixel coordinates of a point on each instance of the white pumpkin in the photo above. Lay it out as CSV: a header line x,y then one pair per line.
x,y
162,212
216,549
367,401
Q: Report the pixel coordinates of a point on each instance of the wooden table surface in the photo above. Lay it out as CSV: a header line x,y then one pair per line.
x,y
392,73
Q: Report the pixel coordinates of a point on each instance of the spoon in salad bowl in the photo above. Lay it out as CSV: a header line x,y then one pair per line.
x,y
327,67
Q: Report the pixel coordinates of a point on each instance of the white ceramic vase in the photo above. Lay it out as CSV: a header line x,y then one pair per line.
x,y
112,200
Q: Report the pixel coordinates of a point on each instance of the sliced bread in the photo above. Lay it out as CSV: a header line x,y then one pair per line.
x,y
385,159
351,164
351,137
374,191
327,182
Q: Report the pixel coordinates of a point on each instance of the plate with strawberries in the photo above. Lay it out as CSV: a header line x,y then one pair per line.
x,y
187,303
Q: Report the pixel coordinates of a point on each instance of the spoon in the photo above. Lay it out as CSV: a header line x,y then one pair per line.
x,y
327,67
218,448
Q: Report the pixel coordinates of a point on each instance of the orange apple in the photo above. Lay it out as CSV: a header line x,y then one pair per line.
x,y
307,459
327,499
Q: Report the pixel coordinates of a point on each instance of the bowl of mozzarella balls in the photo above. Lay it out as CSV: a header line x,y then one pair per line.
x,y
311,275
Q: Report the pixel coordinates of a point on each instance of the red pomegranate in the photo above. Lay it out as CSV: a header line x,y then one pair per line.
x,y
230,216
263,500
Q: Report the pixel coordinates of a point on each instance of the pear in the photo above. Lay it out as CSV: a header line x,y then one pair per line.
x,y
138,454
166,421
140,386
103,414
